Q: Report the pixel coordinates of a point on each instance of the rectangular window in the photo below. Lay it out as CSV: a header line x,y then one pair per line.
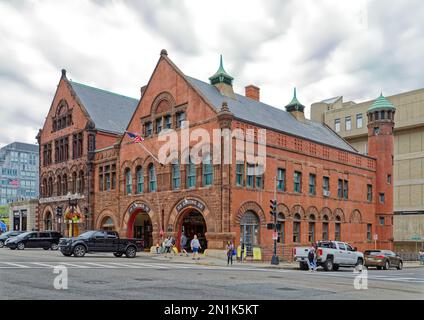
x,y
176,176
389,179
180,119
369,192
337,125
359,121
311,235
250,176
312,184
382,198
113,184
191,175
281,180
346,189
148,129
337,232
340,189
168,122
376,131
240,174
297,182
259,177
158,125
326,186
101,179
369,232
348,122
382,221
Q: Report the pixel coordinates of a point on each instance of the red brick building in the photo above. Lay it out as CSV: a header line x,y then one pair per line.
x,y
325,188
80,121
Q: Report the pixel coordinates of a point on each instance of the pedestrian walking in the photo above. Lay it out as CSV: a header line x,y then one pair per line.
x,y
168,246
195,247
421,253
183,244
230,253
311,259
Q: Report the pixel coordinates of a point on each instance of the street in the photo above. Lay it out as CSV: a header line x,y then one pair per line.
x,y
29,274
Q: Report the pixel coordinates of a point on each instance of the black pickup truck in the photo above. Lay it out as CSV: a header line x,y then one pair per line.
x,y
100,241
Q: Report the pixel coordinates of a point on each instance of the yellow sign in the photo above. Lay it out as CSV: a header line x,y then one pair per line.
x,y
239,252
257,254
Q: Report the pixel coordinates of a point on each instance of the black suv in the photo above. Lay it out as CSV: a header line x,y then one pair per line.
x,y
7,235
44,239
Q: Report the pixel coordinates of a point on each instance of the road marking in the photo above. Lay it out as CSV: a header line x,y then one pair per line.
x,y
43,264
100,265
73,265
125,265
152,266
16,265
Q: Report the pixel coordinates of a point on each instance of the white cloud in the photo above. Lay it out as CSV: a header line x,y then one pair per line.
x,y
326,48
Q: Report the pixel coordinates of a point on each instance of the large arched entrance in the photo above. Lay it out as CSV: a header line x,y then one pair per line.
x,y
192,222
140,227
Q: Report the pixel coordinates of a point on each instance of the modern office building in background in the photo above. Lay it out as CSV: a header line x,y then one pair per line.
x,y
349,120
18,172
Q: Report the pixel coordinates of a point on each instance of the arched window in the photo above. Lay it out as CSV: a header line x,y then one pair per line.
x,y
44,189
74,182
128,181
176,176
140,180
81,182
311,234
191,174
65,184
107,224
152,178
325,228
249,231
50,187
59,185
337,231
281,220
207,170
296,228
48,222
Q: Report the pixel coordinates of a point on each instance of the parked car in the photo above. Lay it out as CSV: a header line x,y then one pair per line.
x,y
383,259
7,235
34,239
100,241
330,255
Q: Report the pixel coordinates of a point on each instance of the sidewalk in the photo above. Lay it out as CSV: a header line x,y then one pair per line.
x,y
210,261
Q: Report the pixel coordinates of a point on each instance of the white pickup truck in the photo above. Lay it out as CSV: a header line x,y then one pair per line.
x,y
330,255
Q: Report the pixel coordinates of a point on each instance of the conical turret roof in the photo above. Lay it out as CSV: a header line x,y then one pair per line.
x,y
381,104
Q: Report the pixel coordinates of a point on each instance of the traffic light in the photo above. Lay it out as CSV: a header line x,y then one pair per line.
x,y
59,211
273,207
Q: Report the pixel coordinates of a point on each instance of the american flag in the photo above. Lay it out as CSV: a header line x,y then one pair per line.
x,y
14,182
135,137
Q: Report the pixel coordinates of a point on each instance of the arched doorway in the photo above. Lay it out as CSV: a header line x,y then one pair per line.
x,y
249,231
192,223
140,227
107,224
48,221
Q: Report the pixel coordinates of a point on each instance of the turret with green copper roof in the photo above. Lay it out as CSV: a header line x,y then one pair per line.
x,y
381,104
295,105
223,81
295,108
221,76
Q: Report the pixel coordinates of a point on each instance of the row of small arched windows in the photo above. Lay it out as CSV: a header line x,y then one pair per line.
x,y
63,185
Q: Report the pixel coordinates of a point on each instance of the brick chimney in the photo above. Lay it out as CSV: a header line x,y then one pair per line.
x,y
253,92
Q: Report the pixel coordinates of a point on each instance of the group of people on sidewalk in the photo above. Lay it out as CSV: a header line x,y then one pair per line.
x,y
168,247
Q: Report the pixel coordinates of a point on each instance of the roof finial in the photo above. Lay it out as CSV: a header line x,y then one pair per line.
x,y
63,72
163,52
295,93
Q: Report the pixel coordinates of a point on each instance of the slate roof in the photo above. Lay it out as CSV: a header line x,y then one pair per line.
x,y
110,112
270,117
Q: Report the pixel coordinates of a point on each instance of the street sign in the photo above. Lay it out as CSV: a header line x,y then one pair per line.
x,y
375,237
275,236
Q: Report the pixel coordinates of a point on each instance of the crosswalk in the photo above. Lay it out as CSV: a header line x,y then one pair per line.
x,y
87,265
104,265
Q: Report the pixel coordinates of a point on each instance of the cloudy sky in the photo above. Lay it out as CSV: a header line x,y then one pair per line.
x,y
325,48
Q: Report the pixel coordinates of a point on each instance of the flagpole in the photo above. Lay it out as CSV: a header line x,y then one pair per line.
x,y
154,157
